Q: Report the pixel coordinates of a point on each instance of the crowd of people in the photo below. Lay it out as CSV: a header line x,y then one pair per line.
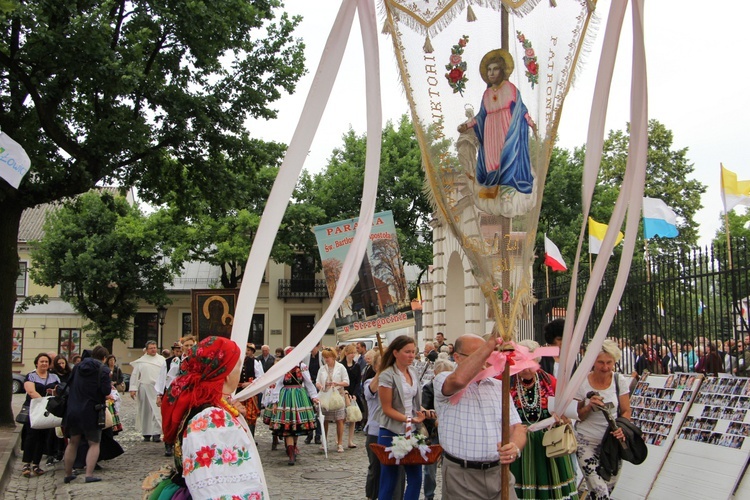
x,y
700,355
91,387
185,400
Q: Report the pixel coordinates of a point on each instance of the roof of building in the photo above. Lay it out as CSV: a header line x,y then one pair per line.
x,y
32,219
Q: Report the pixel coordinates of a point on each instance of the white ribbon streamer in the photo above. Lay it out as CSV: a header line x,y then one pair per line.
x,y
289,172
628,202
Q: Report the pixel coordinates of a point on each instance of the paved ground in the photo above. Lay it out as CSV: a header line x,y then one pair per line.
x,y
310,479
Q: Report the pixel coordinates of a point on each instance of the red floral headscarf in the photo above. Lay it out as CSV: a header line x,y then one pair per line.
x,y
201,380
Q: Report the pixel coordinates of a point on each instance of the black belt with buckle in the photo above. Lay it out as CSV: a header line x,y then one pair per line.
x,y
469,464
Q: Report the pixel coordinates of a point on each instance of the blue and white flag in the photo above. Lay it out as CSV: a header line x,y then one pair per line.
x,y
658,219
14,162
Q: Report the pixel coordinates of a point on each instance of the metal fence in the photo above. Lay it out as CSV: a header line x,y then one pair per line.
x,y
670,302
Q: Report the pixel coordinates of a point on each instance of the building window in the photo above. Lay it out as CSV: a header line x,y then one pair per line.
x,y
303,274
17,355
187,324
21,280
145,328
257,333
70,342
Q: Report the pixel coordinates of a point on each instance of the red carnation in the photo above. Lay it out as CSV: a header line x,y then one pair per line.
x,y
533,67
455,75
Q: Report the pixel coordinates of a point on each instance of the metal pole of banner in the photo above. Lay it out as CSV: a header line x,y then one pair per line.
x,y
505,229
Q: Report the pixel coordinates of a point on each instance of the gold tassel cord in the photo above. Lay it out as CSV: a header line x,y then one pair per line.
x,y
470,16
386,28
428,45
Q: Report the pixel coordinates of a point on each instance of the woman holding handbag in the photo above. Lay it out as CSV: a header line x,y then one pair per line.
x,y
39,383
400,400
539,477
603,385
354,372
333,377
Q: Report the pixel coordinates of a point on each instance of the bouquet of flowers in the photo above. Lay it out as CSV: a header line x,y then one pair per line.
x,y
409,449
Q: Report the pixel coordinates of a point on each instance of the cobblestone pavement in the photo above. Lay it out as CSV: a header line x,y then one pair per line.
x,y
341,476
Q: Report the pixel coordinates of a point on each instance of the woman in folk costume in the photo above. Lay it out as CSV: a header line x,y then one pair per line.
x,y
538,477
293,414
214,454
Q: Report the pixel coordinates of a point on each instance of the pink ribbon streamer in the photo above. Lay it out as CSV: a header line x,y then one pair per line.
x,y
521,359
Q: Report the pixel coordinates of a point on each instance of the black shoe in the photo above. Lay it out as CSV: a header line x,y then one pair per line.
x,y
147,438
157,438
69,479
308,440
92,479
317,440
50,460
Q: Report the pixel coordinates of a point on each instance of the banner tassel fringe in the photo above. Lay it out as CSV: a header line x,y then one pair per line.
x,y
470,16
428,45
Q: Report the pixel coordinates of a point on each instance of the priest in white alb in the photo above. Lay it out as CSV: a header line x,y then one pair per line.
x,y
143,384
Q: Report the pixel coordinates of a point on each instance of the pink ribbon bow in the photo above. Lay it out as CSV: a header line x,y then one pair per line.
x,y
519,360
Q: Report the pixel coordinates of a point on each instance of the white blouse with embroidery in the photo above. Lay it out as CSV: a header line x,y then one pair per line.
x,y
218,459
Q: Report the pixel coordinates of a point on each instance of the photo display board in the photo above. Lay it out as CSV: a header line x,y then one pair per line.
x,y
659,404
709,456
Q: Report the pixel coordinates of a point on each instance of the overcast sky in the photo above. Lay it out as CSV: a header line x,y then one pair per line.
x,y
696,78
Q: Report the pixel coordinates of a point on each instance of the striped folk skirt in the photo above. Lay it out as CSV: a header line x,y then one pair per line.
x,y
542,478
294,414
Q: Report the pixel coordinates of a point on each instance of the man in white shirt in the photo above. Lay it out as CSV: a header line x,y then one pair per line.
x,y
471,428
146,371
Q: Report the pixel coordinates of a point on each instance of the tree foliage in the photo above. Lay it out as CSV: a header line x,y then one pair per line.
x,y
667,177
338,189
107,256
152,94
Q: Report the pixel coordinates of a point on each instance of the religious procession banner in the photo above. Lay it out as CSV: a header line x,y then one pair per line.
x,y
379,302
486,81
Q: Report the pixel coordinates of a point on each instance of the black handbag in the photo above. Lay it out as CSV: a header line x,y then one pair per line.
x,y
23,415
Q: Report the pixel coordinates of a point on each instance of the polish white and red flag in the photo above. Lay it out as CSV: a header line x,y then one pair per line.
x,y
552,256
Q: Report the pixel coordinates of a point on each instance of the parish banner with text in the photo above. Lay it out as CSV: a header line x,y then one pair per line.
x,y
379,301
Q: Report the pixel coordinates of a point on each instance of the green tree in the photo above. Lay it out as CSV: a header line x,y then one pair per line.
x,y
107,256
338,189
151,94
667,177
221,232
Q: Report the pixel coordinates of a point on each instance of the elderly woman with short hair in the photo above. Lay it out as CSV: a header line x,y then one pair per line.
x,y
607,386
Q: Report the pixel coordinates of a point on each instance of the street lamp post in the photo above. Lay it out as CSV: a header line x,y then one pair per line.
x,y
161,313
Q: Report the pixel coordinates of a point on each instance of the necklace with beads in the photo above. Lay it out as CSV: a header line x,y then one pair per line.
x,y
231,409
530,407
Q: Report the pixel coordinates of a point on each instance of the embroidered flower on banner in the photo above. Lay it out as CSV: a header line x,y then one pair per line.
x,y
456,67
529,59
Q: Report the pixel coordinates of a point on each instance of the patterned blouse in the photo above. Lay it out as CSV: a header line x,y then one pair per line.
x,y
217,461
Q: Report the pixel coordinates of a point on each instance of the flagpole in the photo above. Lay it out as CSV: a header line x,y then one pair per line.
x,y
726,215
647,257
729,241
546,275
